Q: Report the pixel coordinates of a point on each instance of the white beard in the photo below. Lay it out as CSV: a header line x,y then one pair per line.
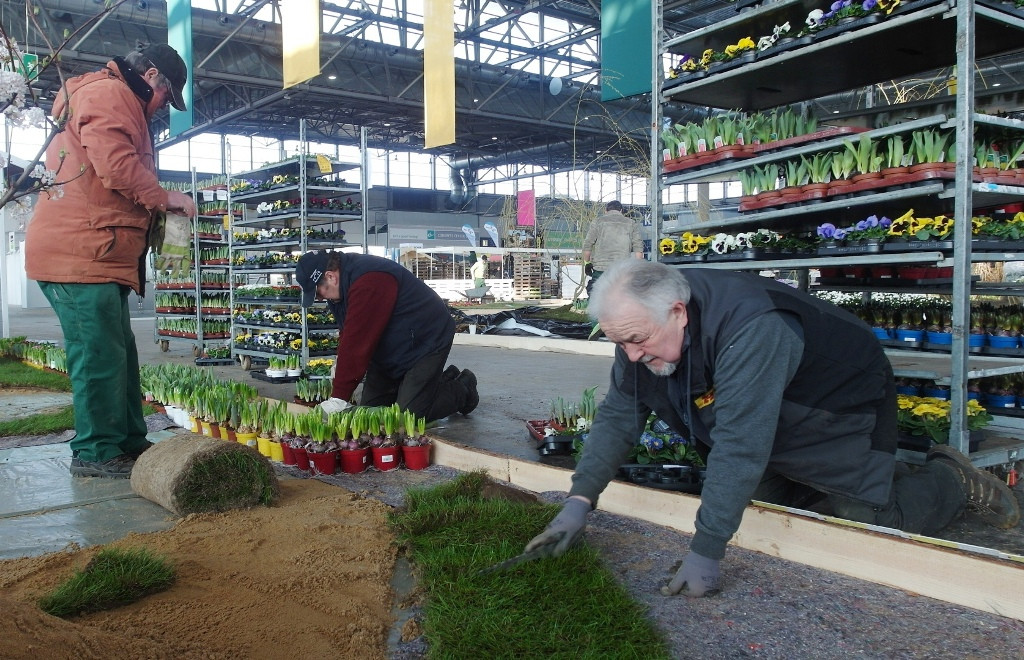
x,y
666,369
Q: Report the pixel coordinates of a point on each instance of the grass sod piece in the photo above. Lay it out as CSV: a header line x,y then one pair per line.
x,y
113,578
41,424
566,607
193,474
15,373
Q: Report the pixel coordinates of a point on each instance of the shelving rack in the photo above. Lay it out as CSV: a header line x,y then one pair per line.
x,y
290,227
201,241
921,35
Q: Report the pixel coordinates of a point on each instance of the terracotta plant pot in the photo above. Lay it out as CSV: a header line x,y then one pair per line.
x,y
385,458
416,458
323,462
354,461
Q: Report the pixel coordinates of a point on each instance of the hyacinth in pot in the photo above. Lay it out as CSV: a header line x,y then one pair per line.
x,y
322,449
383,443
355,447
415,443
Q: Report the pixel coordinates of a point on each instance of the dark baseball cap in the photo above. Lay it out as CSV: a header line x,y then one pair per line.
x,y
168,62
309,271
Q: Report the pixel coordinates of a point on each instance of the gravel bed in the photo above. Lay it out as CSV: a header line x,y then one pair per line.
x,y
769,607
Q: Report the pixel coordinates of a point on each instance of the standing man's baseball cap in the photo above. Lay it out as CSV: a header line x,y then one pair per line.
x,y
169,63
309,271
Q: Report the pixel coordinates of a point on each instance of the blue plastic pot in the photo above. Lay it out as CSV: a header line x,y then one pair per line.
x,y
935,393
908,390
909,335
1003,342
1001,400
943,338
882,333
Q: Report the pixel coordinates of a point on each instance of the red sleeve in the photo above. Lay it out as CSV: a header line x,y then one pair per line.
x,y
371,298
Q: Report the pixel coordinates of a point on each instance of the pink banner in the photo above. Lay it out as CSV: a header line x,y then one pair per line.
x,y
526,215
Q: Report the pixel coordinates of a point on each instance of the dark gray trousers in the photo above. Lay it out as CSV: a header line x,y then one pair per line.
x,y
424,389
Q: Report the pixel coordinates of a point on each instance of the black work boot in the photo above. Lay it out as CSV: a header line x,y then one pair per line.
x,y
118,467
986,493
468,380
138,452
451,373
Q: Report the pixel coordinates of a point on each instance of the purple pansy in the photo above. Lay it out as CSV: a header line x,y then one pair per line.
x,y
827,230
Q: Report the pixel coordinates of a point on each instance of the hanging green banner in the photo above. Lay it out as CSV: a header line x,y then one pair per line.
x,y
626,35
179,37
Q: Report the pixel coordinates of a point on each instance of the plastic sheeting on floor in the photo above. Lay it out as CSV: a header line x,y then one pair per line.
x,y
518,322
43,508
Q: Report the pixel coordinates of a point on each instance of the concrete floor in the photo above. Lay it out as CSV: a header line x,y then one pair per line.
x,y
517,376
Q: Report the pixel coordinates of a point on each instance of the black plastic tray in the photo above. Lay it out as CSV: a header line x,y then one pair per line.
x,y
681,478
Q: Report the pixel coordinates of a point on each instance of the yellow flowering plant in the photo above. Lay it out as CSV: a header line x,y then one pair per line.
x,y
922,229
929,416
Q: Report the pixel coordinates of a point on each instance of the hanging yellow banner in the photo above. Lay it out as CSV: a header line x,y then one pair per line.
x,y
300,41
438,73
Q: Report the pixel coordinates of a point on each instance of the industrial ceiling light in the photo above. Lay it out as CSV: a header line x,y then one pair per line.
x,y
332,77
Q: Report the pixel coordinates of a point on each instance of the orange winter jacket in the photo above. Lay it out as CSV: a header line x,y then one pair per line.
x,y
93,229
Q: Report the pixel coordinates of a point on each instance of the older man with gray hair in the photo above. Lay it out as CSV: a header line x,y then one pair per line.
x,y
791,399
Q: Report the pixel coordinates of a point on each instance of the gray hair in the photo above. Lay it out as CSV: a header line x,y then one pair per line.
x,y
654,285
140,64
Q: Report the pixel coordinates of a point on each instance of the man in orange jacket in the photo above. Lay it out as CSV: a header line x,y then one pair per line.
x,y
87,239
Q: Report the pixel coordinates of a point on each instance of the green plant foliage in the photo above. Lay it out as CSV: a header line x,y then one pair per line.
x,y
565,607
113,578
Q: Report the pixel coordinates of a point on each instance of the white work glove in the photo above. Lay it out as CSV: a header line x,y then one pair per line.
x,y
564,530
333,405
698,576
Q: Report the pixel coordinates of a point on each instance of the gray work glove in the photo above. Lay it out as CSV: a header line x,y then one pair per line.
x,y
698,576
564,530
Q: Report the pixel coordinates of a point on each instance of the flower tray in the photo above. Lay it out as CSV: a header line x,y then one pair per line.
x,y
213,362
922,443
555,445
1005,352
705,158
259,375
684,258
823,134
995,245
830,250
916,246
681,478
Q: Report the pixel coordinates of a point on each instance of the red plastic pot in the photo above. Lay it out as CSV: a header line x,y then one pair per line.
x,y
323,462
301,458
354,461
416,458
288,454
385,458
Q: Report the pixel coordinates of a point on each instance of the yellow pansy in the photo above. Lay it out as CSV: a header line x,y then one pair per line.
x,y
666,246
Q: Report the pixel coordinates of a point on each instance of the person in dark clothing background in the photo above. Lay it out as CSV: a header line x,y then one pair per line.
x,y
792,398
394,330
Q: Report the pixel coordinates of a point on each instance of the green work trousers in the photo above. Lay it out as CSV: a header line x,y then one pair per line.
x,y
103,364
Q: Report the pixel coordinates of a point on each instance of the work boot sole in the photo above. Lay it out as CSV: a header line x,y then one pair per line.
x,y
982,488
468,380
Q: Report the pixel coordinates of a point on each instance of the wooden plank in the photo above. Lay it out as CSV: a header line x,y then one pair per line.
x,y
925,568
